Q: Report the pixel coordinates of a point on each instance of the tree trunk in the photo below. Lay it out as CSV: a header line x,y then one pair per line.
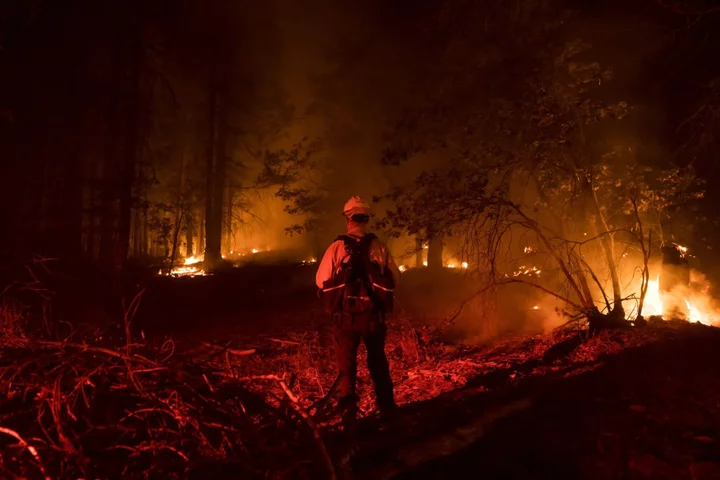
x,y
107,186
213,195
607,241
73,207
145,246
201,232
189,231
435,252
180,213
229,219
137,233
418,252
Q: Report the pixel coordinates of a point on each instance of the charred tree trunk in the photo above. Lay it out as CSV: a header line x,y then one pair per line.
x,y
229,220
73,209
435,252
107,184
607,241
418,252
201,232
214,190
180,214
189,232
145,246
137,233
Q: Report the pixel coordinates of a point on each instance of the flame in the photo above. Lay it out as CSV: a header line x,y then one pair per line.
x,y
255,250
653,301
402,268
528,250
536,307
696,302
425,263
464,265
190,268
193,259
425,246
186,271
695,315
451,265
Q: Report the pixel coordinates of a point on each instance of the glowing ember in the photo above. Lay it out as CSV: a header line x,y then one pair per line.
x,y
529,250
402,268
425,263
186,271
523,270
425,246
683,250
464,265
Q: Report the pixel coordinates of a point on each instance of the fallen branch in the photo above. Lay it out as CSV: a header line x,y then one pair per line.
x,y
30,448
89,348
286,342
234,351
304,414
316,432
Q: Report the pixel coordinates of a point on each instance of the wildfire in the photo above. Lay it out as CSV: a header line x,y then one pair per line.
x,y
190,268
193,259
696,304
523,270
653,302
186,271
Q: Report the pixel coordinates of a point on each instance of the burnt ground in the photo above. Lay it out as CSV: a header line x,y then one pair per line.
x,y
637,404
646,412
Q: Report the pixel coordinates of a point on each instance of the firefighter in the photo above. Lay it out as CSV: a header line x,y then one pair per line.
x,y
358,316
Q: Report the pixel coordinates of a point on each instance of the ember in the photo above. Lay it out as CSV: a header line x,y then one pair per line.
x,y
523,270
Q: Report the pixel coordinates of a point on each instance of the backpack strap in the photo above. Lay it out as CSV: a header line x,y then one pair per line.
x,y
364,241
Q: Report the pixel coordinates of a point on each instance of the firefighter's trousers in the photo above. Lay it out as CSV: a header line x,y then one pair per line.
x,y
348,330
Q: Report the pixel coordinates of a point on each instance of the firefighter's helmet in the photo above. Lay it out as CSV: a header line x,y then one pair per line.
x,y
356,205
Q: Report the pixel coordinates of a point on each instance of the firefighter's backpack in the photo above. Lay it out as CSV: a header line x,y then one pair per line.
x,y
361,285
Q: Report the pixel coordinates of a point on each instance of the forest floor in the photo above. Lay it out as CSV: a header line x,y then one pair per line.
x,y
249,390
